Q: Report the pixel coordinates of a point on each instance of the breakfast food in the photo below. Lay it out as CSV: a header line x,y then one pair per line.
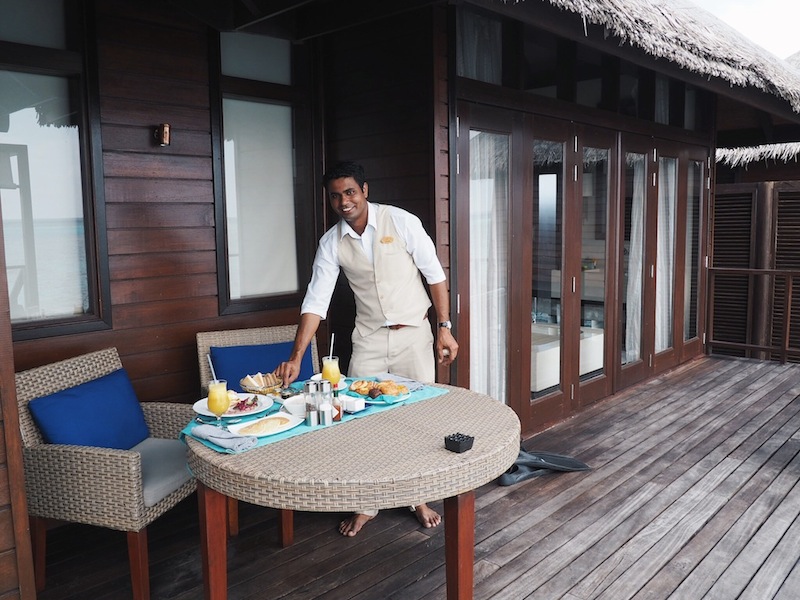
x,y
242,405
373,389
261,381
264,426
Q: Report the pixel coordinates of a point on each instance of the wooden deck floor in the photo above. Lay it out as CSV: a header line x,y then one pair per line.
x,y
693,494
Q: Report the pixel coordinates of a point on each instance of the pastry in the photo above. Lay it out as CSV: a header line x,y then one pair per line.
x,y
373,389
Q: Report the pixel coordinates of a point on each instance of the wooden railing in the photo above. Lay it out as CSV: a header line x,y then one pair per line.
x,y
768,317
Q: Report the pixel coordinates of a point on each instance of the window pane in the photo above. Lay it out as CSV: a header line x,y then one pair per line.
x,y
41,198
593,263
34,22
665,254
488,281
259,198
548,206
243,56
480,47
633,257
690,301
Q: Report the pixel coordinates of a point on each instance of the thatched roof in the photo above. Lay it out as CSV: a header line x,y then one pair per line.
x,y
692,38
737,157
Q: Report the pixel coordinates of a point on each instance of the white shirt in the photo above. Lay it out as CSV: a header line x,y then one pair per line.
x,y
325,270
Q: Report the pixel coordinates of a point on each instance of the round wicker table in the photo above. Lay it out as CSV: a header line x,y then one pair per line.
x,y
395,458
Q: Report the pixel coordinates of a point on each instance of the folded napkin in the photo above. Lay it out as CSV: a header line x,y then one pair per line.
x,y
224,439
412,385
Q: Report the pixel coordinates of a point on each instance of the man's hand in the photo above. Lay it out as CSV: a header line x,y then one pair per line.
x,y
446,347
288,371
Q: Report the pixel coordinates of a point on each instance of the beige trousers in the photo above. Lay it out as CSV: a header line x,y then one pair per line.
x,y
407,351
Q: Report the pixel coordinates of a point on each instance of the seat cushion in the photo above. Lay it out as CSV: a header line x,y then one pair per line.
x,y
232,363
103,412
164,468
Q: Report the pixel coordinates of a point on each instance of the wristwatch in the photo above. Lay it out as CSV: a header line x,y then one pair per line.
x,y
446,324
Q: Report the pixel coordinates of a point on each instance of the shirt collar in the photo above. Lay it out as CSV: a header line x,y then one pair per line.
x,y
372,221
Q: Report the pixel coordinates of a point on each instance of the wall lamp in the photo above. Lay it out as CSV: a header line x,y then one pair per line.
x,y
162,134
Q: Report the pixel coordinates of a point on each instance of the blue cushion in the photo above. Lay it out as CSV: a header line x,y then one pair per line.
x,y
103,412
232,363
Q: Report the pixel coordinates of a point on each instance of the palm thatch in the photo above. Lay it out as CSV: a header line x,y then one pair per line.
x,y
694,39
743,156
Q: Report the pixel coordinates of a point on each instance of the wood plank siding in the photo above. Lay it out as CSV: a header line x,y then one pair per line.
x,y
693,493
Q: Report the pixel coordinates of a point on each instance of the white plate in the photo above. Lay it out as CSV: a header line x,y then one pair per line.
x,y
392,399
292,422
264,402
342,385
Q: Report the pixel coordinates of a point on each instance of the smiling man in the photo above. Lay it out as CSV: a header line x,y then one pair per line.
x,y
384,252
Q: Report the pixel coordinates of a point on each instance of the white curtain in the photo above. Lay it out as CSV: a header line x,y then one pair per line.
x,y
665,253
488,232
635,251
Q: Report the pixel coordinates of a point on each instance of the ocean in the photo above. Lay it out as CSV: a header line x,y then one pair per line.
x,y
52,283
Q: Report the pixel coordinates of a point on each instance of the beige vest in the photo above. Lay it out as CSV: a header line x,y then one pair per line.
x,y
391,289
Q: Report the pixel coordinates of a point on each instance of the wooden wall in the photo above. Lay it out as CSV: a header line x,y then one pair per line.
x,y
153,68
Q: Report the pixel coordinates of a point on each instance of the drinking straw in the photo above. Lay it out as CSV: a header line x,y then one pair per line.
x,y
330,353
210,364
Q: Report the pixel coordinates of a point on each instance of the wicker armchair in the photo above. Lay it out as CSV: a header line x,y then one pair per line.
x,y
249,337
61,481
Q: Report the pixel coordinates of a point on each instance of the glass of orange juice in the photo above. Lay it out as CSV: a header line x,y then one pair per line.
x,y
218,400
330,370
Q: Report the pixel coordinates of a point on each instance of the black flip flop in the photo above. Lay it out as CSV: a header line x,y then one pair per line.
x,y
517,473
547,460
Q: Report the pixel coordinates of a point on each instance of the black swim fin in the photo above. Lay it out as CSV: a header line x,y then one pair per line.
x,y
548,460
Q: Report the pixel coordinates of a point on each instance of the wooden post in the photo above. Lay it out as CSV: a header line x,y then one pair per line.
x,y
459,545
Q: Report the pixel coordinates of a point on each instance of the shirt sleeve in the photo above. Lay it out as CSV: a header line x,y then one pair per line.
x,y
419,244
324,273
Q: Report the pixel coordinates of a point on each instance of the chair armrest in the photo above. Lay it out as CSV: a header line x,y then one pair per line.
x,y
82,483
166,419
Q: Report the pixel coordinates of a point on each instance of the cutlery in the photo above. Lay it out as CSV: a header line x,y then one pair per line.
x,y
213,421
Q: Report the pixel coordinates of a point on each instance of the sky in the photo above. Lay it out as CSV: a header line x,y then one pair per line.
x,y
772,24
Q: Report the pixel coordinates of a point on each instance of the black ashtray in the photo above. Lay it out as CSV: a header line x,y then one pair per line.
x,y
458,442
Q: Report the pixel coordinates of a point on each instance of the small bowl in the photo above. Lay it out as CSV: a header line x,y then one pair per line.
x,y
296,405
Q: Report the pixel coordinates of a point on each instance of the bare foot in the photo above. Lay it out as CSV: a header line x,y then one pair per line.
x,y
427,516
353,525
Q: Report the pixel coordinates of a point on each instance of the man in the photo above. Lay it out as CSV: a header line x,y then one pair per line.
x,y
384,252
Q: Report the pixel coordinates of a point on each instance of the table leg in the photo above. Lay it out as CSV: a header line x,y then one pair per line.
x,y
286,527
459,545
213,542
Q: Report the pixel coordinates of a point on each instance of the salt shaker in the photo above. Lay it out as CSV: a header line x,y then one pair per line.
x,y
311,393
326,402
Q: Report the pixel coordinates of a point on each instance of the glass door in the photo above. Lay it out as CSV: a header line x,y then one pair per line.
x,y
660,257
489,217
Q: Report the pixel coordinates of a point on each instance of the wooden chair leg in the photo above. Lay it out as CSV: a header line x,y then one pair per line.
x,y
140,571
39,548
233,517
